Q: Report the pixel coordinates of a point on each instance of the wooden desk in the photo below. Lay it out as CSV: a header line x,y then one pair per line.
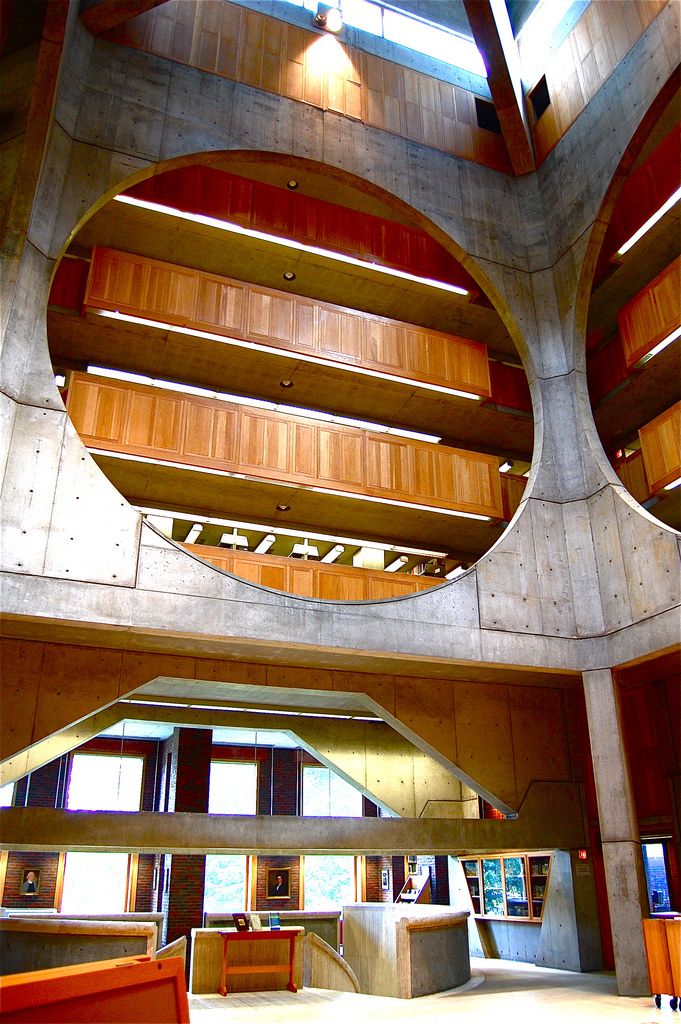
x,y
270,934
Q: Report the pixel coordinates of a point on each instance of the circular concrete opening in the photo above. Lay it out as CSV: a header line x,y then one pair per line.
x,y
280,378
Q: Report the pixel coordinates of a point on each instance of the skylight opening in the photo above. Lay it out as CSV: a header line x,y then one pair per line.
x,y
536,36
408,30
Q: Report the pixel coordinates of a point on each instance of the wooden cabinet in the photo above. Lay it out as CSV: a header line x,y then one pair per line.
x,y
509,886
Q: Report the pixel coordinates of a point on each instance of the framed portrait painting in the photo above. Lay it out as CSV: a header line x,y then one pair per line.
x,y
278,884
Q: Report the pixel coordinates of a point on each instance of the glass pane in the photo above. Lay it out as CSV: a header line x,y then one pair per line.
x,y
7,795
95,883
493,895
400,28
325,794
225,885
104,782
656,877
361,14
516,891
329,882
232,788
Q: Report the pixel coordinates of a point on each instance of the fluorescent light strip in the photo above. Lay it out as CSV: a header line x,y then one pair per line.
x,y
287,243
260,528
673,199
126,457
301,357
659,347
257,403
673,484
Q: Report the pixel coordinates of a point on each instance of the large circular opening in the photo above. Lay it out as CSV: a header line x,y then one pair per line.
x,y
285,372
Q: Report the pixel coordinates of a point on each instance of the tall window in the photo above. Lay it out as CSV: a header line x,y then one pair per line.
x,y
233,787
226,883
99,882
95,883
326,795
654,862
105,782
329,882
7,795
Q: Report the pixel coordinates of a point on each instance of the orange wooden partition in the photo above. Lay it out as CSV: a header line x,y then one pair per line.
x,y
126,991
631,472
661,447
178,295
310,578
652,314
137,419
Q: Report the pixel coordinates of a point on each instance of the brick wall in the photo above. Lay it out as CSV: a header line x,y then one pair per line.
x,y
144,892
184,903
273,864
18,862
192,770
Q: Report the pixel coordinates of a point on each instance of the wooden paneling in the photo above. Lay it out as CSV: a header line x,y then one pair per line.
x,y
268,54
652,314
154,290
585,59
198,188
311,578
606,368
141,420
631,472
661,447
512,490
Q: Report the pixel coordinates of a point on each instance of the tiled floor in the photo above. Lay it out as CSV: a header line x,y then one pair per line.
x,y
498,991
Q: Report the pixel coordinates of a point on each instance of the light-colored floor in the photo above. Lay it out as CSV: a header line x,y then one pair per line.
x,y
498,991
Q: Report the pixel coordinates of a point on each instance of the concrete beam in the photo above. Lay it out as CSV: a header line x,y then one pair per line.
x,y
104,15
494,38
47,829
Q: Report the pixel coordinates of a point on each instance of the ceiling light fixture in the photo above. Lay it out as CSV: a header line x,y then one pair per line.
x,y
283,508
455,572
288,275
397,564
194,534
288,243
335,552
673,484
265,544
289,532
661,345
286,383
505,467
651,222
329,18
304,550
233,540
302,357
292,184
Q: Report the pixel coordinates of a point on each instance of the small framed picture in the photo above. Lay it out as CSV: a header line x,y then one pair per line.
x,y
256,923
278,884
385,879
241,922
30,882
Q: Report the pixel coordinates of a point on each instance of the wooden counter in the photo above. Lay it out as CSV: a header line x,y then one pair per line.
x,y
205,972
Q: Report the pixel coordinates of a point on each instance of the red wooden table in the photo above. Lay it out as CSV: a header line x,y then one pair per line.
x,y
269,934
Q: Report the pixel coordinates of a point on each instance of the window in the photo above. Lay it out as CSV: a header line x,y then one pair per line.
x,y
510,886
95,883
539,98
7,795
326,795
487,116
655,865
233,787
329,882
105,782
226,883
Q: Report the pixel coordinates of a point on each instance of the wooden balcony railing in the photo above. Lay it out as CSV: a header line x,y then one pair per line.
x,y
138,419
184,297
661,447
652,314
309,578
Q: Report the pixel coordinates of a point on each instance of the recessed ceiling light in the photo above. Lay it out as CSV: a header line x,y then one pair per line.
x,y
286,383
288,275
292,183
283,508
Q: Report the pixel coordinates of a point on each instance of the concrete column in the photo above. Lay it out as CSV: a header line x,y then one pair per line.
x,y
624,875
